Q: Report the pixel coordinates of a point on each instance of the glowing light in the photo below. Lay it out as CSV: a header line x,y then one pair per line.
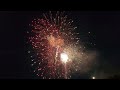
x,y
64,57
93,77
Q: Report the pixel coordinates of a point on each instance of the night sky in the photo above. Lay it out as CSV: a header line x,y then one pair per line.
x,y
104,27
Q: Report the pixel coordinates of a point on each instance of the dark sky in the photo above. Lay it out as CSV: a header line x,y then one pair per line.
x,y
103,25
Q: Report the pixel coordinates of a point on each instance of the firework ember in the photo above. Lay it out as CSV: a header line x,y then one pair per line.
x,y
57,49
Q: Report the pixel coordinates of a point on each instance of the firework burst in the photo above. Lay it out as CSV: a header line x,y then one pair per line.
x,y
56,46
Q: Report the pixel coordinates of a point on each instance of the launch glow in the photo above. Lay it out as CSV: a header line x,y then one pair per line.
x,y
64,57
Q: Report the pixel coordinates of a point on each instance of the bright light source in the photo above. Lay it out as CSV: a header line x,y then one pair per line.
x,y
64,57
93,77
